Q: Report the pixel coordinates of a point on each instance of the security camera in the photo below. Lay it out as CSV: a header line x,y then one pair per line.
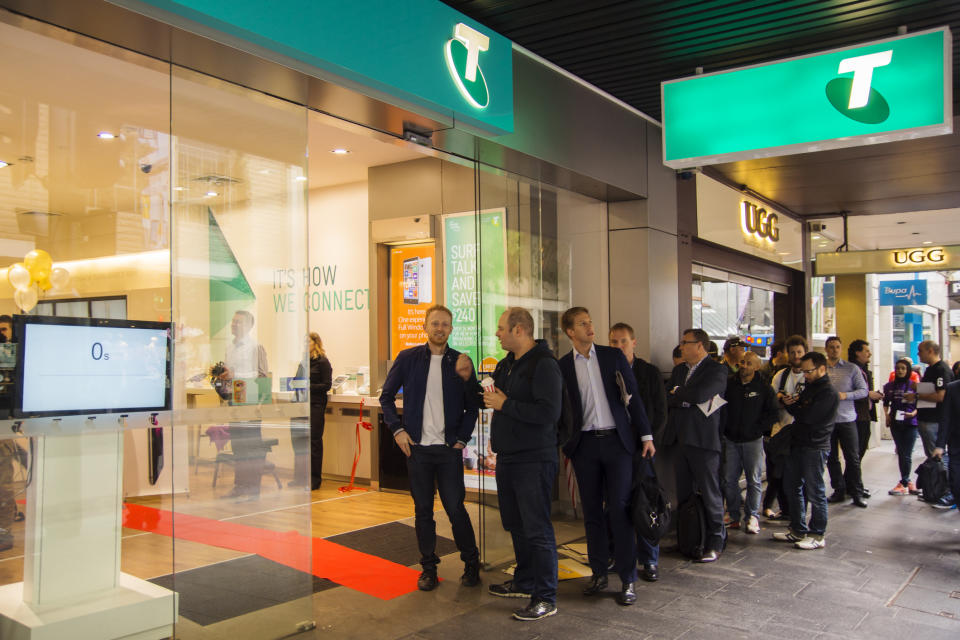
x,y
416,220
146,168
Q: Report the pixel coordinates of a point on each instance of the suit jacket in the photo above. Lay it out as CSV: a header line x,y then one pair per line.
x,y
686,423
631,421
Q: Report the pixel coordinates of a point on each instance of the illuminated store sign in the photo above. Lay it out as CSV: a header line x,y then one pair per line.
x,y
936,258
418,53
892,89
756,221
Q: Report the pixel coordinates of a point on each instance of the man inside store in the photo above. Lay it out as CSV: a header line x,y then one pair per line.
x,y
751,412
526,398
245,359
859,354
948,439
694,385
733,350
813,412
653,397
6,328
929,419
786,383
850,384
608,421
440,405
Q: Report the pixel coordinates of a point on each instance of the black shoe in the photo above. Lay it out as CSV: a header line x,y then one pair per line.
x,y
507,590
627,595
535,611
427,580
314,486
296,484
837,496
596,585
865,493
858,502
471,574
709,556
650,572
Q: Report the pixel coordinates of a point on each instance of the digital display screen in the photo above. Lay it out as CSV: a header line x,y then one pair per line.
x,y
76,365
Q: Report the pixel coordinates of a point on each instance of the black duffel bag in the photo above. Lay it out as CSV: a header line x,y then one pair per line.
x,y
649,507
932,479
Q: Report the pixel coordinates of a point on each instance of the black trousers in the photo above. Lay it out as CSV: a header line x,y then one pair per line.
x,y
311,443
439,468
249,455
776,489
863,436
699,469
846,480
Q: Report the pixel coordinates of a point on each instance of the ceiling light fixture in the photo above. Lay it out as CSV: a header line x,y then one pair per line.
x,y
4,164
301,178
340,151
211,194
178,188
928,242
106,135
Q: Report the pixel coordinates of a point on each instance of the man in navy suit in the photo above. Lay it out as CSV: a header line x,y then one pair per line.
x,y
440,404
695,381
610,424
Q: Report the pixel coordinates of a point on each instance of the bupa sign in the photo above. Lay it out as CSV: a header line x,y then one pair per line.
x,y
893,89
903,292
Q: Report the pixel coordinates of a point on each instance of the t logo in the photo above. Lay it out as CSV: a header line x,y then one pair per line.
x,y
463,62
854,97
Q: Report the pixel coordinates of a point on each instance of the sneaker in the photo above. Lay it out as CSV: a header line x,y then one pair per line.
x,y
912,489
810,543
898,490
770,514
788,536
471,574
945,503
507,590
753,525
729,522
535,611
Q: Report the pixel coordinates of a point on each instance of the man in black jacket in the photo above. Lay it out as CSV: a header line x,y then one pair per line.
x,y
751,412
948,438
694,425
526,401
859,354
814,413
440,405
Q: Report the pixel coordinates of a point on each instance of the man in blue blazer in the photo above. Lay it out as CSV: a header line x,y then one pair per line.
x,y
440,404
698,379
610,425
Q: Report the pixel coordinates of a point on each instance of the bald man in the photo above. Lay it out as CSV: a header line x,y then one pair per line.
x,y
751,413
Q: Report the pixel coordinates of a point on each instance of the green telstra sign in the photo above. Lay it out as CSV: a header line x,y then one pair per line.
x,y
418,53
887,90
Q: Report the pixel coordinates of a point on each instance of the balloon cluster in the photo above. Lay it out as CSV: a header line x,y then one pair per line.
x,y
36,273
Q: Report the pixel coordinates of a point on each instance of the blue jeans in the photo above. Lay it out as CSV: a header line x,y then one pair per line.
x,y
525,490
439,466
905,437
745,458
928,436
804,479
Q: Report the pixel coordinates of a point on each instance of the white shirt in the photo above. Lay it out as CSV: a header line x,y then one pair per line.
x,y
794,384
246,359
596,409
432,432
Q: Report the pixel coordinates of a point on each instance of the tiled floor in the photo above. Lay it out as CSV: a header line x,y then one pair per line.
x,y
887,572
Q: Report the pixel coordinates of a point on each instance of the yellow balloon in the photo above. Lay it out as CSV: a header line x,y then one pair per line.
x,y
45,284
18,276
39,263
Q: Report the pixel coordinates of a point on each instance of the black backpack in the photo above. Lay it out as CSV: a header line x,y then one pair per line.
x,y
649,507
932,479
692,527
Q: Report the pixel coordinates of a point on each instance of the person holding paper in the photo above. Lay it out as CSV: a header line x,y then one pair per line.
x,y
902,420
693,424
930,394
609,420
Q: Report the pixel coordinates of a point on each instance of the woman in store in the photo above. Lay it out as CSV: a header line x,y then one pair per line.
x,y
321,379
902,419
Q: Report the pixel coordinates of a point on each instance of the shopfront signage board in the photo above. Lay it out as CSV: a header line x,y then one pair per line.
x,y
893,89
902,292
732,219
415,53
411,294
907,260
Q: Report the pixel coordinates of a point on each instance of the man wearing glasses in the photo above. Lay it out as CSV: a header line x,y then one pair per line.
x,y
814,413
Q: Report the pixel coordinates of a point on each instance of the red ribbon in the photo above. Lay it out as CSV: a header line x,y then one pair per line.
x,y
356,456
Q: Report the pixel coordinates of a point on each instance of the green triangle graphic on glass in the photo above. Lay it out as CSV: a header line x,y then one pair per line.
x,y
227,281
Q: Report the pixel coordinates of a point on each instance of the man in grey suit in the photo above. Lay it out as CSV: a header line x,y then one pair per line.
x,y
693,382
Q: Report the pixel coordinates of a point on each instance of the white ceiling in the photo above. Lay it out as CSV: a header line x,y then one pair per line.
x,y
891,231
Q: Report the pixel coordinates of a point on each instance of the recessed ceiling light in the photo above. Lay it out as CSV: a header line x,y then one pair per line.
x,y
178,188
928,242
4,164
210,194
106,135
340,151
301,178
815,236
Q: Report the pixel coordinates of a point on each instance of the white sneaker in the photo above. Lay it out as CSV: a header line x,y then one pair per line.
x,y
753,525
810,543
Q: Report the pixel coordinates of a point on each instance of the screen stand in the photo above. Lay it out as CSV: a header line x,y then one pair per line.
x,y
72,584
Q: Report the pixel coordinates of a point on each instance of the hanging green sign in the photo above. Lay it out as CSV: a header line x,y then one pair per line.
x,y
887,90
475,282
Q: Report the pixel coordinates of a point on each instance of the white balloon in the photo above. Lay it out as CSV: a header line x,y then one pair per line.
x,y
19,277
59,277
26,299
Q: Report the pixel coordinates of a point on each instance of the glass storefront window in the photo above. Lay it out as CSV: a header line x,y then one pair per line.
x,y
725,309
